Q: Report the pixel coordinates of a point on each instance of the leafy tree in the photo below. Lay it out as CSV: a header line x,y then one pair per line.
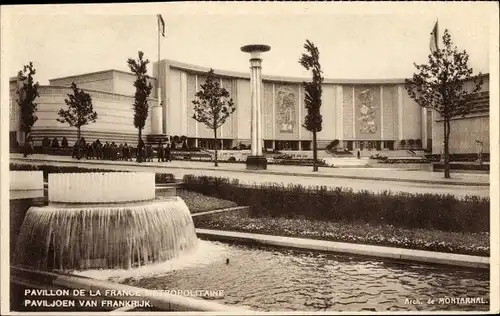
x,y
213,106
313,91
440,85
80,110
27,96
142,91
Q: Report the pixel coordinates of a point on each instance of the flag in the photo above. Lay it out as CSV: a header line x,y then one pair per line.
x,y
161,25
433,44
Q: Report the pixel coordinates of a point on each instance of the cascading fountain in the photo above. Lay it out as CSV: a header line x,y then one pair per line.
x,y
104,220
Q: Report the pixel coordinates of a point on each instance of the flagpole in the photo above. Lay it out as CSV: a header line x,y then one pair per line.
x,y
158,79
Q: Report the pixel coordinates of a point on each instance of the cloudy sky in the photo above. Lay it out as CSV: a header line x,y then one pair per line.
x,y
356,40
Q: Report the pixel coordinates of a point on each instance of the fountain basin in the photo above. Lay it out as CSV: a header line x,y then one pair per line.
x,y
26,180
67,237
101,187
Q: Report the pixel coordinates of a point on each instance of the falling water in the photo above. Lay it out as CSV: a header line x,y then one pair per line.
x,y
124,235
110,236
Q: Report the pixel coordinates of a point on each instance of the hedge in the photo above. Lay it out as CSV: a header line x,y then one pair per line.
x,y
461,166
159,177
298,162
406,210
471,157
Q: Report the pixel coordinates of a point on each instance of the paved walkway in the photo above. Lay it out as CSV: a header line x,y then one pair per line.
x,y
372,179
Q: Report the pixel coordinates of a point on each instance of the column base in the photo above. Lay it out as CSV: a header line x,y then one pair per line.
x,y
256,163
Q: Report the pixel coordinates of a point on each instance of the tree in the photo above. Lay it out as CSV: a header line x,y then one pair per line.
x,y
80,110
212,106
27,96
440,85
313,91
142,91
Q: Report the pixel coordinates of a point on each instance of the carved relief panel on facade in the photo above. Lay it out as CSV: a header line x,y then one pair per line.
x,y
367,112
285,109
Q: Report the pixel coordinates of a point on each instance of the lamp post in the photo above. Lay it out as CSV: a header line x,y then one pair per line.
x,y
256,160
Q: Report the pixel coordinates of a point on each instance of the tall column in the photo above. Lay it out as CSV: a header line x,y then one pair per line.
x,y
256,65
256,160
424,127
157,116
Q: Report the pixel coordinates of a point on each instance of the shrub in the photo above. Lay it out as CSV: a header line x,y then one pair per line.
x,y
378,157
418,142
430,211
64,142
333,144
46,142
403,143
462,166
297,162
164,178
55,143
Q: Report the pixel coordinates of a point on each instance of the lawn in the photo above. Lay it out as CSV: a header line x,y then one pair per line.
x,y
386,235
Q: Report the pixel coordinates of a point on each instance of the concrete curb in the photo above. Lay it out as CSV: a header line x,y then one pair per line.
x,y
159,300
349,248
296,174
228,209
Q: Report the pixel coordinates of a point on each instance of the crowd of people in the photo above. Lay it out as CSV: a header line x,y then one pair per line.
x,y
125,152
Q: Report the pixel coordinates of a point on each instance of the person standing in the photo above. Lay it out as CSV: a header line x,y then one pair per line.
x,y
125,152
479,152
28,146
172,148
160,150
75,150
149,153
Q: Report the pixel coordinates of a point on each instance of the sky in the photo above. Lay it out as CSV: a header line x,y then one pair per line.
x,y
356,40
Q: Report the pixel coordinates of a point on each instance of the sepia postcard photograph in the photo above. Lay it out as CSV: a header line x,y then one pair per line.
x,y
250,158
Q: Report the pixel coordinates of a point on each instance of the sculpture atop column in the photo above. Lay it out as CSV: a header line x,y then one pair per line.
x,y
256,160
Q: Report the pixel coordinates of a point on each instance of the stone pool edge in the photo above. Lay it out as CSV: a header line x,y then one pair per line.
x,y
393,253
